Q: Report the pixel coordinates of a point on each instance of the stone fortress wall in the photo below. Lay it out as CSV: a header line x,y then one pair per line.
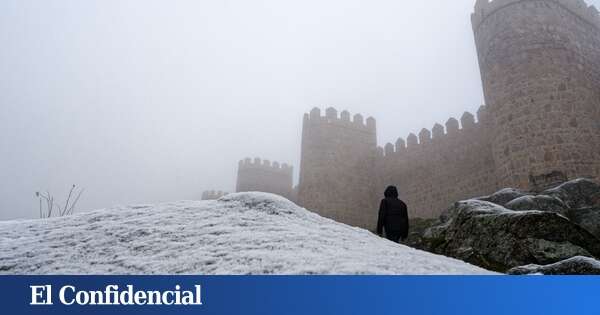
x,y
439,166
343,172
540,67
262,175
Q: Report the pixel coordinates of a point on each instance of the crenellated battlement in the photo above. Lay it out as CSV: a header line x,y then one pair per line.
x,y
485,8
267,165
437,165
343,119
265,176
437,134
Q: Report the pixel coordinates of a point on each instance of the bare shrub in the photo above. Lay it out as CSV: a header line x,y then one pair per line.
x,y
49,207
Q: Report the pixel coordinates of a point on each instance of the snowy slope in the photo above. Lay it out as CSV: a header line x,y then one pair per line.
x,y
247,233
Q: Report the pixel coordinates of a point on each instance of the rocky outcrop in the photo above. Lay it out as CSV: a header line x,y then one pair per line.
x,y
417,229
588,218
573,266
539,202
503,196
496,238
520,231
579,193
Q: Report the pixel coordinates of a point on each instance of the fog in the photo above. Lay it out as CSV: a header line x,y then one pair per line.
x,y
147,101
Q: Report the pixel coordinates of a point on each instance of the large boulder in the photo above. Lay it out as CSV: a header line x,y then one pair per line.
x,y
539,202
417,229
573,266
588,218
496,238
503,196
579,193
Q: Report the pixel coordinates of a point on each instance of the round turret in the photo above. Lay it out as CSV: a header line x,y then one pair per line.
x,y
540,69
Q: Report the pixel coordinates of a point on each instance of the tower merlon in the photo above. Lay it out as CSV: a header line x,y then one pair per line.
x,y
438,131
467,120
412,140
452,126
358,119
345,116
424,136
400,145
331,113
315,113
371,123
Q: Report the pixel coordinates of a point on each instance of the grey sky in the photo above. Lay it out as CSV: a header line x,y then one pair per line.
x,y
146,101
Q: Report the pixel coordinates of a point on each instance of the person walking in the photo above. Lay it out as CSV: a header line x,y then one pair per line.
x,y
393,216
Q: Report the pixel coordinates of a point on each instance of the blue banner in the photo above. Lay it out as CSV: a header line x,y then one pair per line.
x,y
299,295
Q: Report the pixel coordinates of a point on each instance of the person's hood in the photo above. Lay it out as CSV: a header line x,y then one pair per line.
x,y
391,192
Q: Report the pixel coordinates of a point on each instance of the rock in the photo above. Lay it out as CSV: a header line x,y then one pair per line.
x,y
588,218
503,196
579,193
539,202
573,266
417,229
496,238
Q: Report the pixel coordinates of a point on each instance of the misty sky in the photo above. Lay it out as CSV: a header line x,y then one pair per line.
x,y
146,101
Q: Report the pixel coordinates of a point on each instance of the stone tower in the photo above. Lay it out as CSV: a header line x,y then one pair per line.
x,y
337,164
540,69
264,176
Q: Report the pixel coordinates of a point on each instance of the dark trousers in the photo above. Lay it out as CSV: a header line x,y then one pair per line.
x,y
393,236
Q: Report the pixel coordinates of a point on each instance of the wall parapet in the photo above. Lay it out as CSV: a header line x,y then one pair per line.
x,y
267,165
343,119
437,133
485,8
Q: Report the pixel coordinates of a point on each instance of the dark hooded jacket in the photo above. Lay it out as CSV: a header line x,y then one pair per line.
x,y
393,214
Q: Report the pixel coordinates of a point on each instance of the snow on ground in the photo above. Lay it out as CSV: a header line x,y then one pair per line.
x,y
245,233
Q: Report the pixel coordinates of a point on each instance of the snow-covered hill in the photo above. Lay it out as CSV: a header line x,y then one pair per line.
x,y
247,233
